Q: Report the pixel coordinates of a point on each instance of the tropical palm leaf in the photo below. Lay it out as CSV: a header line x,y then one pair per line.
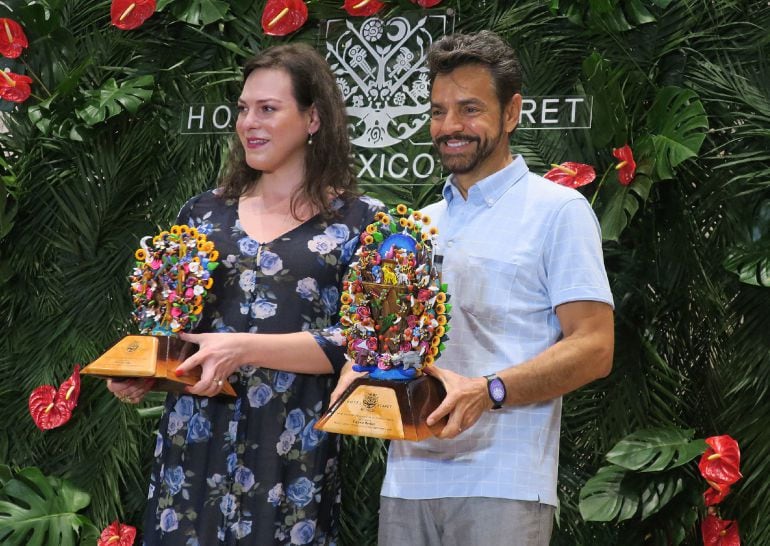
x,y
363,469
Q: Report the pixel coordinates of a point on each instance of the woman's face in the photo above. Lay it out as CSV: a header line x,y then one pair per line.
x,y
272,129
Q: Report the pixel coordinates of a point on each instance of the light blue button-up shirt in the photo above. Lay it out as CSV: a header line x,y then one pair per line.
x,y
519,246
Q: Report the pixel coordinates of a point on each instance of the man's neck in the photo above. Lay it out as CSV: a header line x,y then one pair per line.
x,y
464,182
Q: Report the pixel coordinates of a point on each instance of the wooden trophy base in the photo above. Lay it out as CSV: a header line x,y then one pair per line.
x,y
394,410
149,357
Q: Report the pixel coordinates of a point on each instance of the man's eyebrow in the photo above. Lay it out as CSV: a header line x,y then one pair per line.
x,y
463,102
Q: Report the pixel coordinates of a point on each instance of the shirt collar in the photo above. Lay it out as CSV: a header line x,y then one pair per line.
x,y
491,188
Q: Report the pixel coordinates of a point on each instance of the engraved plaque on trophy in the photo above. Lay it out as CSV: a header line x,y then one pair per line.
x,y
395,316
149,357
395,410
169,284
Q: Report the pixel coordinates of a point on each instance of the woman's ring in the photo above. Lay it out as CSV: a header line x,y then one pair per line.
x,y
220,383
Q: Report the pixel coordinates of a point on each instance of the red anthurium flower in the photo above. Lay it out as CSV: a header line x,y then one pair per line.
x,y
716,493
721,461
44,410
117,534
362,8
12,38
51,407
131,14
282,17
14,87
69,391
627,166
570,174
719,532
426,3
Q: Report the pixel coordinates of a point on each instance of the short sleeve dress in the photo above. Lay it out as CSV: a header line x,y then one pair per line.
x,y
252,470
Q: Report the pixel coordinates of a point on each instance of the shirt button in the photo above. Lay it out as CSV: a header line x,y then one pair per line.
x,y
490,202
449,243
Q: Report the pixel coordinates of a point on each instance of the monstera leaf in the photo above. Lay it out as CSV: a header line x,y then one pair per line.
x,y
36,510
644,476
610,114
197,12
622,205
112,98
658,492
677,126
605,497
750,258
616,493
751,263
654,450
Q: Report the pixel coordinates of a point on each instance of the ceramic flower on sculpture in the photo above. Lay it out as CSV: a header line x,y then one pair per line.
x,y
51,407
282,17
362,8
394,307
131,14
627,166
117,534
14,87
571,174
171,279
12,38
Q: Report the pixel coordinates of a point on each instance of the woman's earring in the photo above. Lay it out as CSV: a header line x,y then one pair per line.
x,y
310,138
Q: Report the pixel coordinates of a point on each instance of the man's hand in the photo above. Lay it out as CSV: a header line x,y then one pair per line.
x,y
466,399
347,376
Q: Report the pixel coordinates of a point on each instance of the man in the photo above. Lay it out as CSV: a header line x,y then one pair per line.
x,y
531,320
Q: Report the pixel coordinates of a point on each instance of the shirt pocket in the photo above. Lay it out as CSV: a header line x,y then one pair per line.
x,y
485,287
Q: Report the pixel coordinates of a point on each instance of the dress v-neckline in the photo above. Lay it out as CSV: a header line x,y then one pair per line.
x,y
274,239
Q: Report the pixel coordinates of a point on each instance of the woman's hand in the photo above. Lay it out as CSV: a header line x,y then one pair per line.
x,y
130,391
347,376
218,356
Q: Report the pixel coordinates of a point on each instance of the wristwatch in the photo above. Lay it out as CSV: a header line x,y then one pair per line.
x,y
496,390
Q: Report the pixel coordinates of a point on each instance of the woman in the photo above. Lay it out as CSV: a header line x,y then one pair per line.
x,y
286,222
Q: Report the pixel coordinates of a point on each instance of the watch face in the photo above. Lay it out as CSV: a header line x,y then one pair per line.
x,y
497,390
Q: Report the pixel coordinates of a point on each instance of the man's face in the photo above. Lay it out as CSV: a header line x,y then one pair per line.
x,y
468,127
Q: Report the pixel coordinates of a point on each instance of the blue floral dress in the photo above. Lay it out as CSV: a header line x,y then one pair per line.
x,y
252,470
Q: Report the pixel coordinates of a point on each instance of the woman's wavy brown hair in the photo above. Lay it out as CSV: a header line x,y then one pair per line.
x,y
328,168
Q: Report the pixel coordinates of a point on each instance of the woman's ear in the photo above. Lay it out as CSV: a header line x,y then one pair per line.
x,y
315,120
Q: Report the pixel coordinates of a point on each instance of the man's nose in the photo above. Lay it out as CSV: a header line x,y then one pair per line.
x,y
452,122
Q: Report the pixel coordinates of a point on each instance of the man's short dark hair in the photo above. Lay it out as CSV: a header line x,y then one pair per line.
x,y
483,48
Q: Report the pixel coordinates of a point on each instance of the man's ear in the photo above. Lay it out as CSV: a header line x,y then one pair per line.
x,y
512,113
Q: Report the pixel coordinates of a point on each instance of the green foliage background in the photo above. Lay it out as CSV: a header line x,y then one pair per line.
x,y
94,161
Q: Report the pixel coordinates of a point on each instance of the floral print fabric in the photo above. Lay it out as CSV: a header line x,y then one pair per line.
x,y
252,470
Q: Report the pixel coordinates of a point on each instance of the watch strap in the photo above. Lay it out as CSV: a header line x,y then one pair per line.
x,y
493,383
